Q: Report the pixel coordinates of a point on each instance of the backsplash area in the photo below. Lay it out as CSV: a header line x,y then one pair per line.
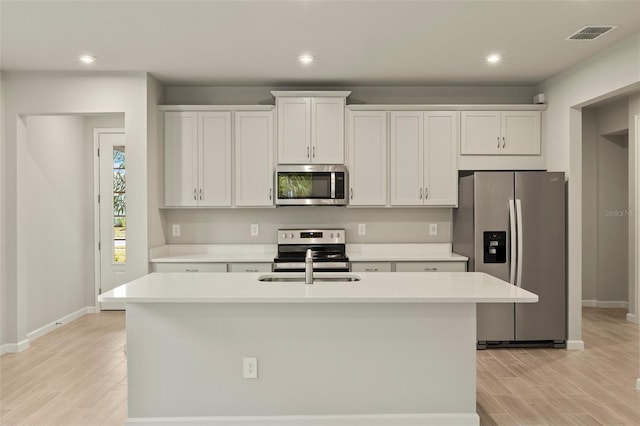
x,y
233,226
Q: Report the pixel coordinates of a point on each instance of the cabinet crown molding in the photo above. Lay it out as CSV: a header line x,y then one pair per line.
x,y
445,107
216,107
310,93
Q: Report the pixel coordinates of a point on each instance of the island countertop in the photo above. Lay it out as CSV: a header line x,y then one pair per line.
x,y
379,287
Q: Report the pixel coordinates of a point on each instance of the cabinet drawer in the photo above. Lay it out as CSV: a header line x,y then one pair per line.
x,y
370,266
189,267
431,267
250,267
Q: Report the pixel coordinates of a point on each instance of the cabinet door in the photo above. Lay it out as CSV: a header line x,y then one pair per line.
x,y
254,158
521,132
370,266
431,267
250,267
367,158
327,130
214,152
188,267
480,133
181,158
440,158
294,131
406,158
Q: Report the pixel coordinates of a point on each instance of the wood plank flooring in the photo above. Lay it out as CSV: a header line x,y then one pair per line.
x,y
76,375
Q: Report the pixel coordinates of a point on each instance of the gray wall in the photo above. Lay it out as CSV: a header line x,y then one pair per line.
x,y
248,95
228,226
634,109
605,166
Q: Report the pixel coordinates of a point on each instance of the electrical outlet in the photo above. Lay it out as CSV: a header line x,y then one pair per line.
x,y
255,229
362,229
175,230
250,368
433,229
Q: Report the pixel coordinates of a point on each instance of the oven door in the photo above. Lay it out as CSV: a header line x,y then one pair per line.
x,y
310,185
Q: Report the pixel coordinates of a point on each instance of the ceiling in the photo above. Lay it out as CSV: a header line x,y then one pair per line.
x,y
364,42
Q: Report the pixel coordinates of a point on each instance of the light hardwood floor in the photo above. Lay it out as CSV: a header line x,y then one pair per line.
x,y
76,375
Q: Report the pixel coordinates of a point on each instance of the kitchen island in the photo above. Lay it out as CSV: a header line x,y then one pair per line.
x,y
391,349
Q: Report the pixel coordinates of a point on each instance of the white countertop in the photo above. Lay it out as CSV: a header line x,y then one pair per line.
x,y
378,287
176,253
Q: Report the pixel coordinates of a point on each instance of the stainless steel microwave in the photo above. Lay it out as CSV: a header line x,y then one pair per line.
x,y
311,185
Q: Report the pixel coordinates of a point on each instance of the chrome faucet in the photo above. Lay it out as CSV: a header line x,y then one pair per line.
x,y
308,267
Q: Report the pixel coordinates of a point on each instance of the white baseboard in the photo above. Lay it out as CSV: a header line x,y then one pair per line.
x,y
448,419
57,323
11,348
605,304
632,318
575,345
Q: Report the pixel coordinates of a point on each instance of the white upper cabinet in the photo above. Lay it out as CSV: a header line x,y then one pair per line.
x,y
500,133
197,158
310,128
441,157
254,158
367,140
424,158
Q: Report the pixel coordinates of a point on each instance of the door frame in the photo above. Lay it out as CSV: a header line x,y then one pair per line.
x,y
96,209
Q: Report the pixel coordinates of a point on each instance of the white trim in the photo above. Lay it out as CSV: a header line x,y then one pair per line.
x,y
308,93
632,318
638,384
97,262
445,107
216,107
605,304
575,345
447,419
35,334
11,348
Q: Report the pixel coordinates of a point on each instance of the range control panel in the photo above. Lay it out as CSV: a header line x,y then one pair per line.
x,y
495,246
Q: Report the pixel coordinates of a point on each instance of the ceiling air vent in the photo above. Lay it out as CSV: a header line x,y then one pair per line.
x,y
591,32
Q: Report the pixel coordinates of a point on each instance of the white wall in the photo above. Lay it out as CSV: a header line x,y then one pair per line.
x,y
4,318
589,204
155,163
634,109
611,72
52,93
52,185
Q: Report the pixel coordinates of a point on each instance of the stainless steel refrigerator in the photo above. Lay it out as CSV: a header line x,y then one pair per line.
x,y
512,225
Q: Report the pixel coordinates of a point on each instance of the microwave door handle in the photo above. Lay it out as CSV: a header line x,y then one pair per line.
x,y
333,186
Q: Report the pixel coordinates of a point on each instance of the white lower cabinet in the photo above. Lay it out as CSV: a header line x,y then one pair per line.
x,y
371,267
189,267
431,266
250,267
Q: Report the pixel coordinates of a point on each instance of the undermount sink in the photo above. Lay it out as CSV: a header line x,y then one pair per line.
x,y
316,279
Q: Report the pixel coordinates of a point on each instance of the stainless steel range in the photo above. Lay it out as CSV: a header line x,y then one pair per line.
x,y
328,246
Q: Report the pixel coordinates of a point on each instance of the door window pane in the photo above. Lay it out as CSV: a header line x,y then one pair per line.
x,y
119,206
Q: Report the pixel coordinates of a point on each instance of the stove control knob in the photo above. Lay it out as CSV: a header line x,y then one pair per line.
x,y
284,235
290,235
338,235
331,235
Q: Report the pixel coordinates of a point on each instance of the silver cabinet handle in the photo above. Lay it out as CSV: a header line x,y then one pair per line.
x,y
371,269
314,152
270,192
426,193
195,194
191,270
351,190
251,270
504,141
421,193
430,269
498,142
307,152
201,193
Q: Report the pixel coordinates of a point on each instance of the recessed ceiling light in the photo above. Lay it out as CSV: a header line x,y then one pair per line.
x,y
87,59
305,59
494,58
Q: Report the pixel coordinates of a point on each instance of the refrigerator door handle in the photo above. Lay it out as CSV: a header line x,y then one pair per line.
x,y
513,258
520,242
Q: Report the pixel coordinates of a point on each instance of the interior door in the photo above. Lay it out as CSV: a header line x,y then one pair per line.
x,y
542,199
112,212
